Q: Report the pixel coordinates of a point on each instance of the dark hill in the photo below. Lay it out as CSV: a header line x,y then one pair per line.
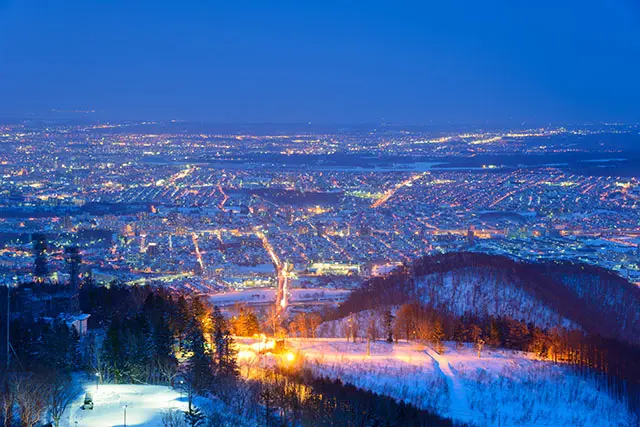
x,y
561,294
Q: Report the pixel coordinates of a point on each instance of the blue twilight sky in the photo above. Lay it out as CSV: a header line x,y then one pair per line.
x,y
471,61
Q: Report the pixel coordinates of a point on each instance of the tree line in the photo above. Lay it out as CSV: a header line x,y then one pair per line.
x,y
295,398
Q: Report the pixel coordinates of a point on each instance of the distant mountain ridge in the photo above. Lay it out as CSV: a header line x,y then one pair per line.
x,y
548,295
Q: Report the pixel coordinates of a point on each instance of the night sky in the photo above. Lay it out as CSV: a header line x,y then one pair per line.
x,y
423,62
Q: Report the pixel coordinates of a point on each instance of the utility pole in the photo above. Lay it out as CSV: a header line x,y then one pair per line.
x,y
9,347
8,319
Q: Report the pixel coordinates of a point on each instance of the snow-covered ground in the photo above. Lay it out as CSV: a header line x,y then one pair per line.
x,y
502,387
145,406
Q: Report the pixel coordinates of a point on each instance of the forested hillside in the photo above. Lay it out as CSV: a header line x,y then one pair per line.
x,y
571,296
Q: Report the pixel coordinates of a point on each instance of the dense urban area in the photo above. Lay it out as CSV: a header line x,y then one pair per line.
x,y
147,203
185,274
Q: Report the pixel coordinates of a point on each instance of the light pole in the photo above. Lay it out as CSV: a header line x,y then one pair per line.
x,y
97,380
8,343
181,389
125,415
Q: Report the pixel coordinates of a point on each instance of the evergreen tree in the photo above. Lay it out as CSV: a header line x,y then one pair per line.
x,y
229,365
155,309
113,351
225,353
162,339
199,372
219,327
140,348
58,346
217,320
475,332
180,319
200,313
194,417
460,334
219,345
517,336
437,335
494,337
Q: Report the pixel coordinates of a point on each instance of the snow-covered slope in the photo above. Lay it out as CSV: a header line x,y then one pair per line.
x,y
505,387
484,292
145,405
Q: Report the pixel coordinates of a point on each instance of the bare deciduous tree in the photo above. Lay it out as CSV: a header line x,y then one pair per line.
x,y
167,369
96,360
62,391
173,418
273,320
314,320
7,400
32,393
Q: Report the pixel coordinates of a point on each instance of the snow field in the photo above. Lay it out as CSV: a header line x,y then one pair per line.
x,y
506,387
145,406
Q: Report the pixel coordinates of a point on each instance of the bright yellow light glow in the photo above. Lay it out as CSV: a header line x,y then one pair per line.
x,y
246,355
